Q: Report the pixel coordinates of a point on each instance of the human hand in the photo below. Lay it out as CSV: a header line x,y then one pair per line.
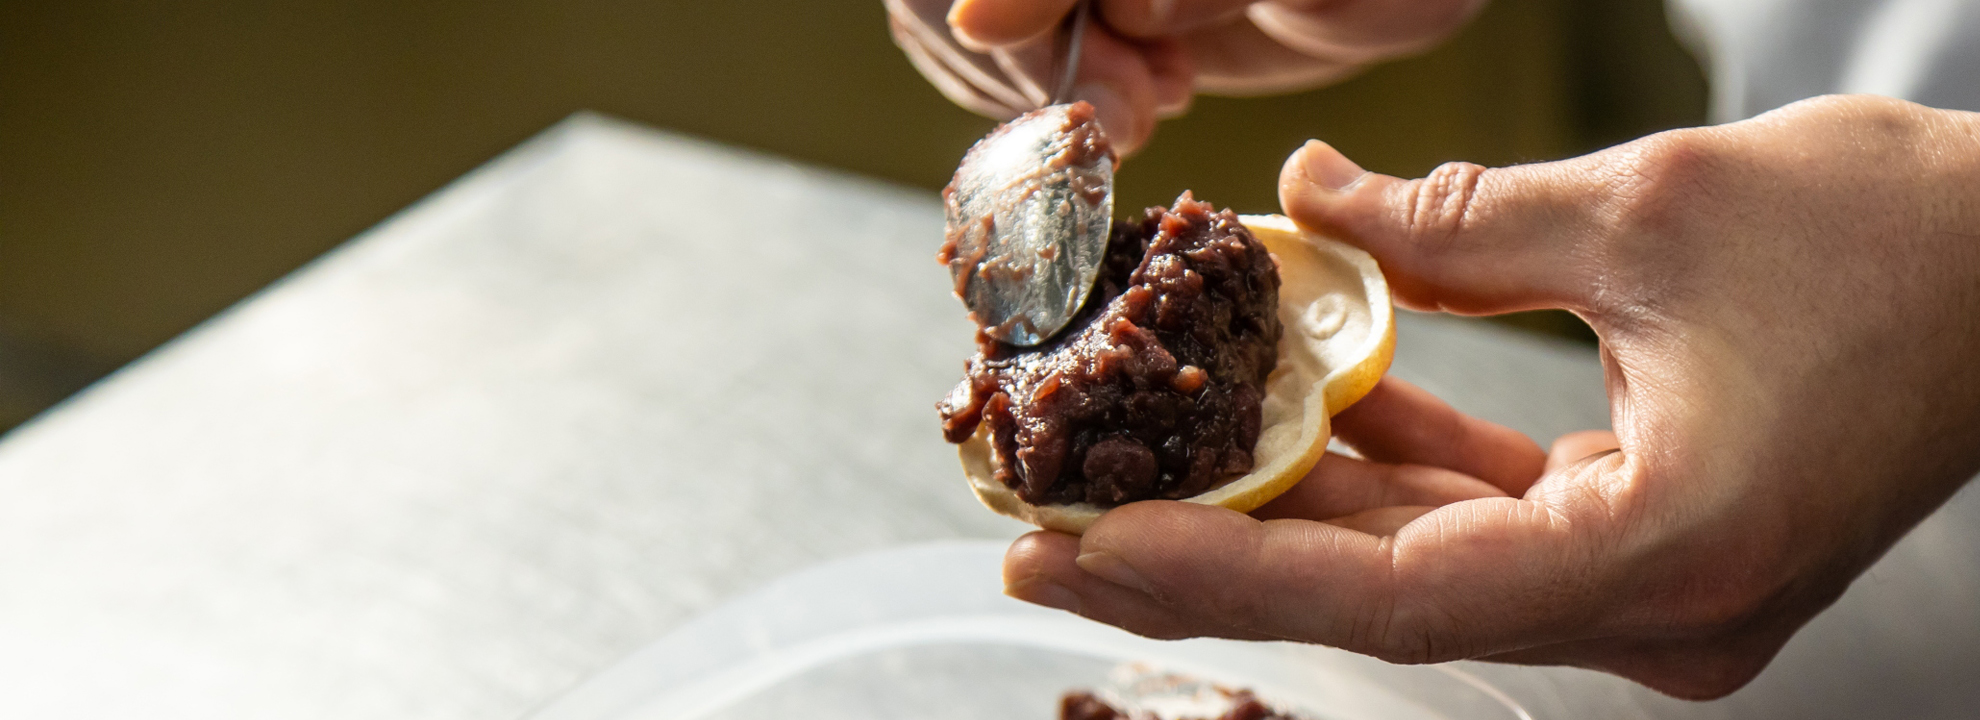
x,y
1146,58
1787,310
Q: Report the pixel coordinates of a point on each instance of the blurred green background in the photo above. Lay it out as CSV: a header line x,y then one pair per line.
x,y
159,161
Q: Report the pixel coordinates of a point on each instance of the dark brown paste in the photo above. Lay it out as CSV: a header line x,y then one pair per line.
x,y
1080,705
1154,390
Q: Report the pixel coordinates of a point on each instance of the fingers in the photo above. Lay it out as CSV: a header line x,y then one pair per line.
x,y
1340,486
1119,78
1159,18
1401,423
1236,58
1364,29
991,23
970,79
1577,446
1232,47
1477,577
1382,521
1464,239
1042,568
1361,31
987,56
985,24
1173,70
930,63
1168,598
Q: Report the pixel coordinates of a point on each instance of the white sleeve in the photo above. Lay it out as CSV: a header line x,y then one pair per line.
x,y
1762,54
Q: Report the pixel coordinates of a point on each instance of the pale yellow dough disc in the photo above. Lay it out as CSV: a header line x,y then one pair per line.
x,y
1340,334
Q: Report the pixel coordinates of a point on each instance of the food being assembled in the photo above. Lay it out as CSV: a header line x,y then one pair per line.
x,y
1200,369
1196,356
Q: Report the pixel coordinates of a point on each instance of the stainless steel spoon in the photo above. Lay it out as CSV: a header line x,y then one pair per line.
x,y
1029,211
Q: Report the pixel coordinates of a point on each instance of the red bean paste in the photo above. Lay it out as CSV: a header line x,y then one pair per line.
x,y
1154,389
1079,705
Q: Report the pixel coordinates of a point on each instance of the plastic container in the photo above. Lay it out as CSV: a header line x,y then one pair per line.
x,y
924,632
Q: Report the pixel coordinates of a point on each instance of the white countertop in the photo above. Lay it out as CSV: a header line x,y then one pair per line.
x,y
601,385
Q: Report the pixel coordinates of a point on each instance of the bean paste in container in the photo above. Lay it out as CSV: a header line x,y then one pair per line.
x,y
1080,705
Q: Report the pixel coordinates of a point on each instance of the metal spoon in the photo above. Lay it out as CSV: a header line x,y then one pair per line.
x,y
1029,211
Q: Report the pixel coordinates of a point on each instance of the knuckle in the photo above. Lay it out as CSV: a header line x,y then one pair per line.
x,y
1372,629
1886,127
1871,126
1416,636
1654,183
1873,108
1406,621
1885,112
1439,205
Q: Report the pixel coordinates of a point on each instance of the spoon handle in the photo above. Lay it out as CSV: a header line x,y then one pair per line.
x,y
1069,58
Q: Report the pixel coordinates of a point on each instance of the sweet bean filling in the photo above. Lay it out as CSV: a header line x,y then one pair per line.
x,y
1154,390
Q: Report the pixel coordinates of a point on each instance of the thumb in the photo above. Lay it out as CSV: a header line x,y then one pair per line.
x,y
1465,238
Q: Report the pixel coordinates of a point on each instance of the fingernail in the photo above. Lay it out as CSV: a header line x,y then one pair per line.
x,y
1039,591
1327,167
1116,118
958,21
1113,569
958,15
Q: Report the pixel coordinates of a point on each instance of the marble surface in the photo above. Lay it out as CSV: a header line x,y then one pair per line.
x,y
546,415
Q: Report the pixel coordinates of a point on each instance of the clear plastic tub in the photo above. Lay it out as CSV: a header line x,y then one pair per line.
x,y
926,633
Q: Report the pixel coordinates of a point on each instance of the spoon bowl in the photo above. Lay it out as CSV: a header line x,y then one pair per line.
x,y
1029,212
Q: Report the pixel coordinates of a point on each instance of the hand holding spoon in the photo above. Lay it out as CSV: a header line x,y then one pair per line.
x,y
1029,212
